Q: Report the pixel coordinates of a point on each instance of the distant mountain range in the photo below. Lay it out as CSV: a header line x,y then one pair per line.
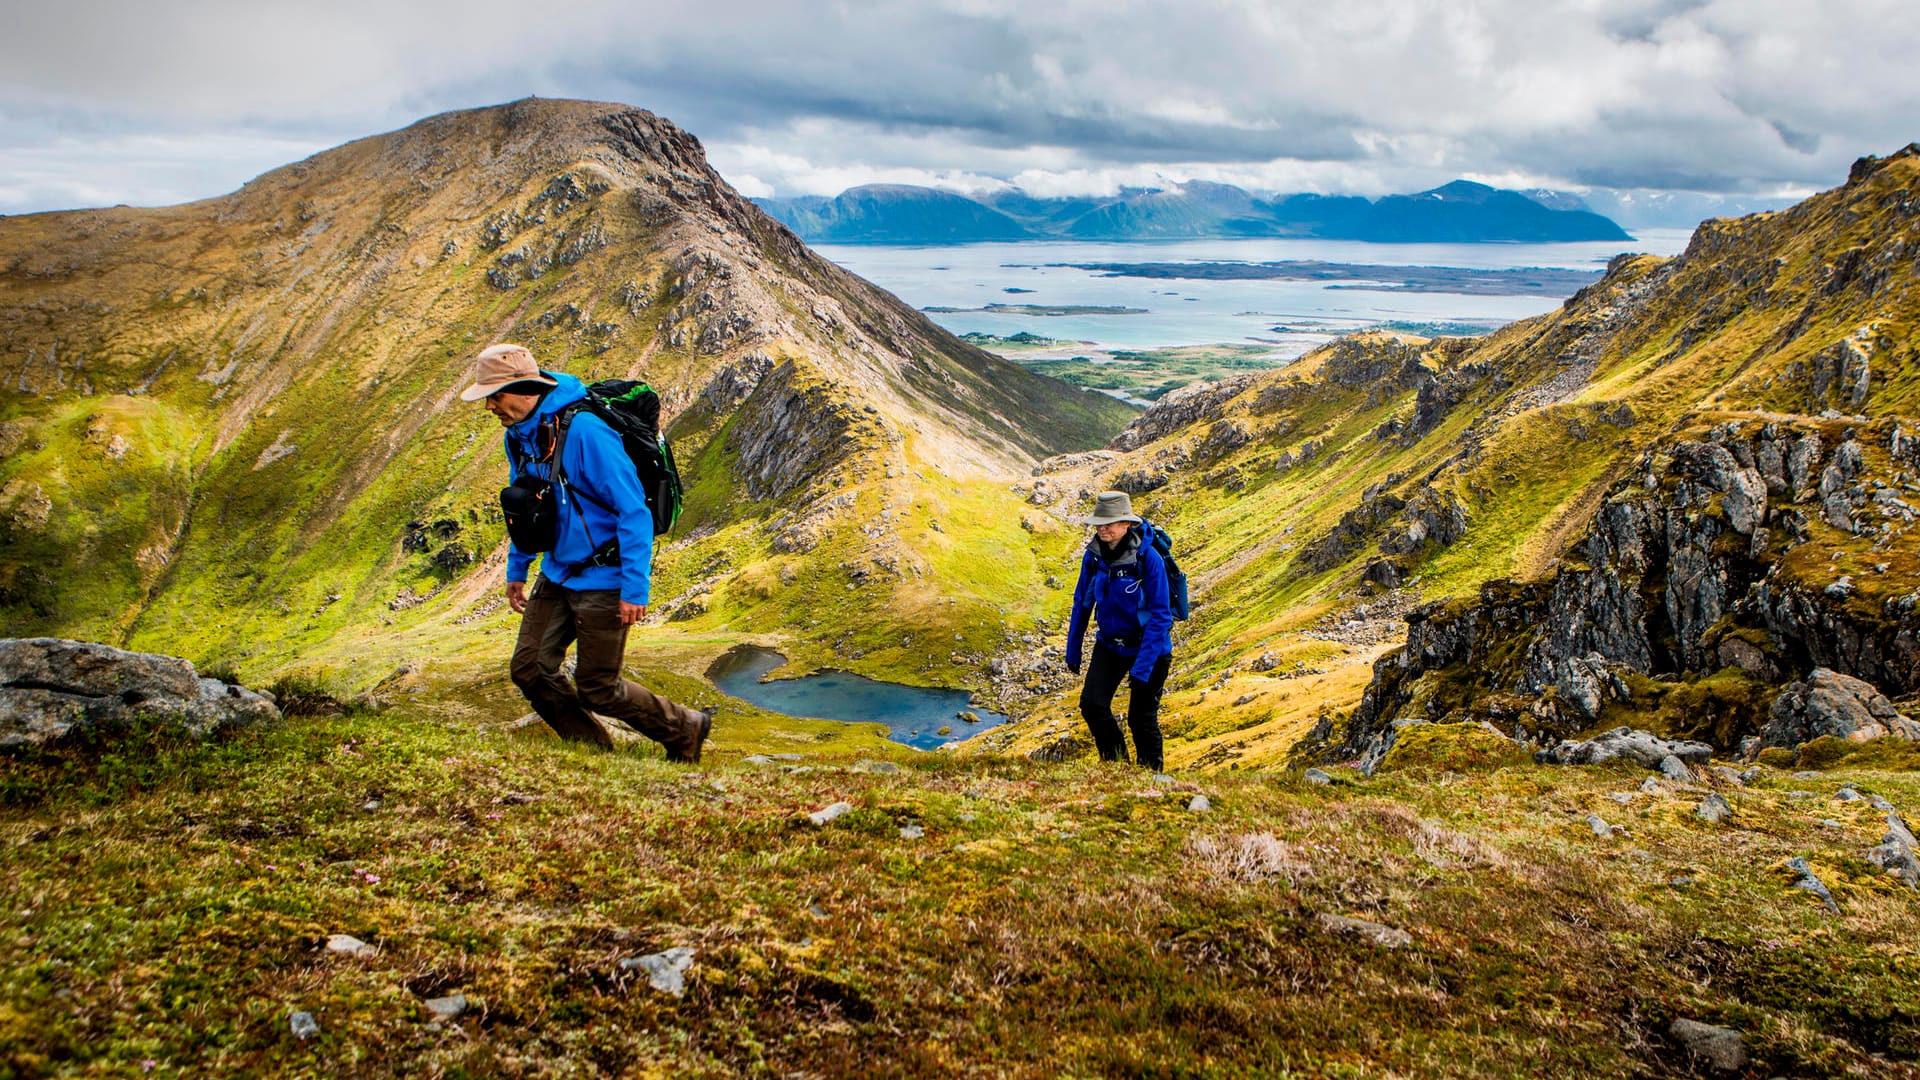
x,y
1459,212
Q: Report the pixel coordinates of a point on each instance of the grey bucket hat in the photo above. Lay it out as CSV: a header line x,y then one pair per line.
x,y
1112,506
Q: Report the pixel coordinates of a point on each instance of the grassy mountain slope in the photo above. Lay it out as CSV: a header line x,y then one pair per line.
x,y
228,430
167,909
1314,507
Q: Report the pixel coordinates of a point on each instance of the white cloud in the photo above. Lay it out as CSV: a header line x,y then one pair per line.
x,y
1365,95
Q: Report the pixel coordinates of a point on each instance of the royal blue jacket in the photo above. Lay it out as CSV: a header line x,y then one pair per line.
x,y
596,464
1129,602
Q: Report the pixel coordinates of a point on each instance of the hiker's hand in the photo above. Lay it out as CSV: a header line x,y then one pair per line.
x,y
631,613
517,597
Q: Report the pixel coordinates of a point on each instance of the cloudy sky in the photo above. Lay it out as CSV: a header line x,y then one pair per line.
x,y
106,101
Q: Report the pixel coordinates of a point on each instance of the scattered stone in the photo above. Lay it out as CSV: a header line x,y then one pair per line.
x,y
1644,748
1730,775
1830,823
50,686
1162,778
451,1007
1650,786
830,813
1798,794
1720,1049
1714,808
1386,937
303,1025
1810,882
1673,768
348,945
1806,774
1316,776
666,971
1599,826
1895,854
1748,776
1622,797
1848,794
1244,699
912,832
788,757
877,767
756,759
1200,804
1880,803
370,805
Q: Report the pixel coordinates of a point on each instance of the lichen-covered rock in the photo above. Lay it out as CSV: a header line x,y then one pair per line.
x,y
50,688
1829,703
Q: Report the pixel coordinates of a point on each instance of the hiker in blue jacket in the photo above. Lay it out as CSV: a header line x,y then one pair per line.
x,y
594,583
1123,585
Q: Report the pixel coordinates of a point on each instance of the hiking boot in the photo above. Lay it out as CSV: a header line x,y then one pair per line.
x,y
688,753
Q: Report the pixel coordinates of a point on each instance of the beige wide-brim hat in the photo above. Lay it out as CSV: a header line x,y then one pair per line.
x,y
500,366
1112,506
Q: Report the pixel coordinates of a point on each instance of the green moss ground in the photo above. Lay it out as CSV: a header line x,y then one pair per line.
x,y
165,907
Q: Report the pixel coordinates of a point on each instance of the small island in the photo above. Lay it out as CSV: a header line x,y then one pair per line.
x,y
1466,281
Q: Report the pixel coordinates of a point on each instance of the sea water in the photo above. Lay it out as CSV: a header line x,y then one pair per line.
x,y
1179,312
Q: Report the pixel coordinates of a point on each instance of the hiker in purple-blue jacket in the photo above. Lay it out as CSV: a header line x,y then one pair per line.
x,y
596,574
1123,585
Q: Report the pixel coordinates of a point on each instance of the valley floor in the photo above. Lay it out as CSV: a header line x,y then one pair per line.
x,y
167,907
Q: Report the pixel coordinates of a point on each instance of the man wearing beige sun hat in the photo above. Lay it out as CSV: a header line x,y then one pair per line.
x,y
576,504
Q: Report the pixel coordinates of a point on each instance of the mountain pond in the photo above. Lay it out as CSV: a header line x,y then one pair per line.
x,y
913,715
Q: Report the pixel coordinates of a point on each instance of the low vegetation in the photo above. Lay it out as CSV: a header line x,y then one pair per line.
x,y
167,907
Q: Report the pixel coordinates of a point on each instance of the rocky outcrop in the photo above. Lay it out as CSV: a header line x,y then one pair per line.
x,y
1182,408
791,428
1432,517
1688,568
1829,703
51,689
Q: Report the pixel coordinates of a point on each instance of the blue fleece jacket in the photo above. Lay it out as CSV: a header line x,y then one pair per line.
x,y
1129,602
597,465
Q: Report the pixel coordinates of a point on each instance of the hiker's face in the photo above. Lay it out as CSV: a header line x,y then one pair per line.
x,y
1112,532
512,408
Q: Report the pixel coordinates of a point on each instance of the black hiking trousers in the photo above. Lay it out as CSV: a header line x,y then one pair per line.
x,y
1104,672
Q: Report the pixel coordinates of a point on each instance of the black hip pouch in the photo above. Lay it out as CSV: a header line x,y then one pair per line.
x,y
533,516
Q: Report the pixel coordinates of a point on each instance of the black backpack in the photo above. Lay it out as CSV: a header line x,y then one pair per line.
x,y
632,410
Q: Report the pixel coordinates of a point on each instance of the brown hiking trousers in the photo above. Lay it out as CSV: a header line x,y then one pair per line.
x,y
556,618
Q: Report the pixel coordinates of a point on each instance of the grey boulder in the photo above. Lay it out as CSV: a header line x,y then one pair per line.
x,y
1643,748
51,688
1830,703
1721,1049
1895,854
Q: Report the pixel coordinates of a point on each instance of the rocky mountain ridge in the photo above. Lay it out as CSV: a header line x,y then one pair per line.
x,y
226,426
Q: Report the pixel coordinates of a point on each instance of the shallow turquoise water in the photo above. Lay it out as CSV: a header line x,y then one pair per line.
x,y
913,715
